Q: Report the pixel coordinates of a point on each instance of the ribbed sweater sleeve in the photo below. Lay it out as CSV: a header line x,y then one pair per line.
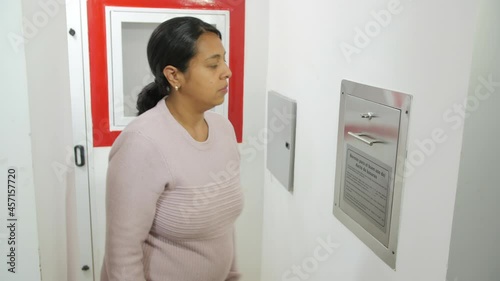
x,y
137,175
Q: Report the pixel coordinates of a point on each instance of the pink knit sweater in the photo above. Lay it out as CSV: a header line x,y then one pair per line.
x,y
171,201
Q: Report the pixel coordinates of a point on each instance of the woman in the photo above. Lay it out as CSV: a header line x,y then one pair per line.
x,y
173,190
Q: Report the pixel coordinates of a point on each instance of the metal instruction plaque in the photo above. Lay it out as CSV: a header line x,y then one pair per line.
x,y
366,186
371,151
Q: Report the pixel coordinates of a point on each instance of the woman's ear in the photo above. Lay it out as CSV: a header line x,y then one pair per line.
x,y
173,75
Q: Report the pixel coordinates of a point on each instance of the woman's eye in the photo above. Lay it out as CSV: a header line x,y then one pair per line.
x,y
214,66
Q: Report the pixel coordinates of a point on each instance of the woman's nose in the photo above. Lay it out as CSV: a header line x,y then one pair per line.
x,y
228,73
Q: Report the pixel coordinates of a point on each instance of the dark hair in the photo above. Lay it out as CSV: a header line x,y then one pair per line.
x,y
173,43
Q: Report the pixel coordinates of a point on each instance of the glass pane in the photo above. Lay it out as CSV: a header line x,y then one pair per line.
x,y
136,72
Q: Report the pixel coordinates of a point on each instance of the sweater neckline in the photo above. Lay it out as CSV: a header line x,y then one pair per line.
x,y
202,145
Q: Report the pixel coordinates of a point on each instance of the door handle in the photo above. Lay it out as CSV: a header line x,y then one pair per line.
x,y
360,136
368,115
79,155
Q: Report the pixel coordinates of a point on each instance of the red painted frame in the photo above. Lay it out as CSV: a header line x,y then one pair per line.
x,y
102,136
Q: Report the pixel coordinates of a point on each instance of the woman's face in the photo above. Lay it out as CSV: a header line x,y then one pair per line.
x,y
206,80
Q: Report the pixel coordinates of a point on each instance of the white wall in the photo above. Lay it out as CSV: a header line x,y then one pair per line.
x,y
249,225
475,244
425,50
15,151
50,110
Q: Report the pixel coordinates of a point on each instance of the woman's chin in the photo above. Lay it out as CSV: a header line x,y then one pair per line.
x,y
220,100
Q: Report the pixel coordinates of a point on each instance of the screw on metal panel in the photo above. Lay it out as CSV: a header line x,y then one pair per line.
x,y
72,32
406,112
85,268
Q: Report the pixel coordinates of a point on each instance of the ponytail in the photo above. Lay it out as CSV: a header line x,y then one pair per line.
x,y
151,95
